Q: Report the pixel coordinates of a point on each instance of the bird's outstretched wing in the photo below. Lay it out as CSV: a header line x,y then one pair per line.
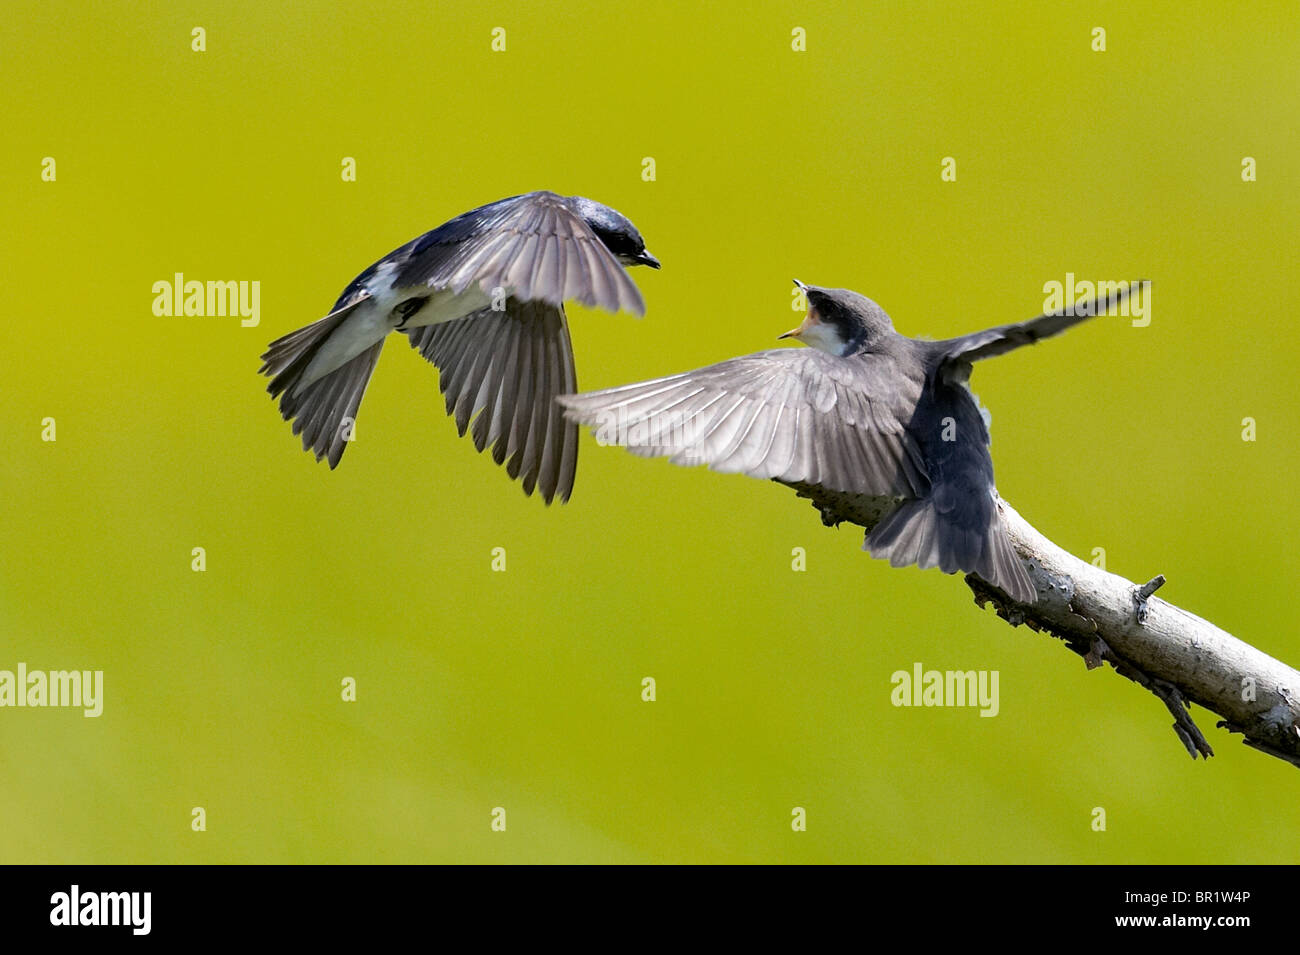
x,y
798,416
1004,338
536,247
501,370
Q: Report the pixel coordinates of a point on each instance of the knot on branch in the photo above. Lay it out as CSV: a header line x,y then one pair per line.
x,y
1142,594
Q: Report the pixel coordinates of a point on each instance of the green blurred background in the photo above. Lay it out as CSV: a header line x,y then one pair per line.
x,y
522,689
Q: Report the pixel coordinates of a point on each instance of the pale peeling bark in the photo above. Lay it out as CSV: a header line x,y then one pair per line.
x,y
1105,618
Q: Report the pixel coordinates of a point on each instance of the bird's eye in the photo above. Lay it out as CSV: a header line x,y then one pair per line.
x,y
620,243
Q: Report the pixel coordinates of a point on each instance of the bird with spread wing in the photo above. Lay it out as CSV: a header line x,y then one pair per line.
x,y
482,298
864,414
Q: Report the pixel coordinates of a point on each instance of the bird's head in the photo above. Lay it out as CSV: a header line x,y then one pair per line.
x,y
839,322
616,231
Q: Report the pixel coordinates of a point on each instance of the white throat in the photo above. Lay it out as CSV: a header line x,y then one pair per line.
x,y
824,337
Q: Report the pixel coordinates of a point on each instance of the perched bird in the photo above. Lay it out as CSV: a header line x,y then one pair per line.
x,y
481,297
864,416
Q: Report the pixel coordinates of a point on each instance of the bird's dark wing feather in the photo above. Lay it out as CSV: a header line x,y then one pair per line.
x,y
798,416
501,370
998,341
534,246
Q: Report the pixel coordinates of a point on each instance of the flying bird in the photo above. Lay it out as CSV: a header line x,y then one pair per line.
x,y
864,416
482,298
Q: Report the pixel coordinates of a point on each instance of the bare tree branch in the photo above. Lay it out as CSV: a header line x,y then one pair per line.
x,y
1105,618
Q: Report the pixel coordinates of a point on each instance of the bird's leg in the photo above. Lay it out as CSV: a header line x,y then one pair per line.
x,y
830,516
403,311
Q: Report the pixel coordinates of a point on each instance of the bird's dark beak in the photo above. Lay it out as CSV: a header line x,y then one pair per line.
x,y
645,258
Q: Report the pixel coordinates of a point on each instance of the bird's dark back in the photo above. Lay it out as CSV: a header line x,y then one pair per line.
x,y
454,230
954,440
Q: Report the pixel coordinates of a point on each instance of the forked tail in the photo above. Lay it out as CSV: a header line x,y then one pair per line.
x,y
323,411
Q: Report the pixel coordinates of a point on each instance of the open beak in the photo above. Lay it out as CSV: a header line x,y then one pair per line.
x,y
808,322
645,258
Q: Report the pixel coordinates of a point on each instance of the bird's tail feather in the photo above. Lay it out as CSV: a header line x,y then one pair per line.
x,y
915,533
324,410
